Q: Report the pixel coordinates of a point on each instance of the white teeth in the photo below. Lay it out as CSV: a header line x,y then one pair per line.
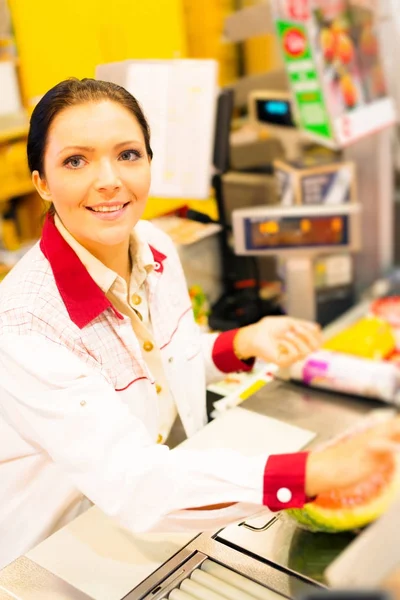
x,y
107,208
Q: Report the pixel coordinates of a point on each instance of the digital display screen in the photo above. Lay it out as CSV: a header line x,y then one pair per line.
x,y
274,112
294,232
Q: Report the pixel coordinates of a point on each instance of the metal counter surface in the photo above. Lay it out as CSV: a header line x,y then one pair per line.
x,y
327,414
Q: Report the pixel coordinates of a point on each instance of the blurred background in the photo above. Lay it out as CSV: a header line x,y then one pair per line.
x,y
277,174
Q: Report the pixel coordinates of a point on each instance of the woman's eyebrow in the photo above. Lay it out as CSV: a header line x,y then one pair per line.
x,y
86,148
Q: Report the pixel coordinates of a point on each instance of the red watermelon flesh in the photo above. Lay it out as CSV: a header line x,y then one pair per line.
x,y
350,508
362,492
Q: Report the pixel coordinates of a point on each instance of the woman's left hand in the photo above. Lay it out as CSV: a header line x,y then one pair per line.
x,y
280,340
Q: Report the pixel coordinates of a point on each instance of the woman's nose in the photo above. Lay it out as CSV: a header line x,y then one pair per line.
x,y
108,177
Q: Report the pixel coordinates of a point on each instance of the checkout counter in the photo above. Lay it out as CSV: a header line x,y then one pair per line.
x,y
267,556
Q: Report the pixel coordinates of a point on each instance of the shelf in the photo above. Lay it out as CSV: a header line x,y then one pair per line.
x,y
12,134
20,190
13,127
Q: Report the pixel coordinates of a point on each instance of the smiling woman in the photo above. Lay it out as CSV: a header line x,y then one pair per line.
x,y
91,160
100,354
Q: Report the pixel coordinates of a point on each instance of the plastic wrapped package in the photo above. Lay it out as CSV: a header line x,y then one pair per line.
x,y
350,375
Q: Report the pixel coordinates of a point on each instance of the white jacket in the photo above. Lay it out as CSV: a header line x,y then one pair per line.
x,y
78,406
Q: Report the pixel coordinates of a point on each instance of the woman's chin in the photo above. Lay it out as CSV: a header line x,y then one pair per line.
x,y
115,235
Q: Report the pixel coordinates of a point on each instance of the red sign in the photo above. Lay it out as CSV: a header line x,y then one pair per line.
x,y
298,9
294,43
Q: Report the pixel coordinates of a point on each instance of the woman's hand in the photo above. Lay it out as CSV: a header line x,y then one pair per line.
x,y
280,340
353,460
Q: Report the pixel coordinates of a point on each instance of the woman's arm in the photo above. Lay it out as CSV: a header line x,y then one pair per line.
x,y
59,405
278,340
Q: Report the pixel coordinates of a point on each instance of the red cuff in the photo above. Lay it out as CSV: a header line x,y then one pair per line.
x,y
284,481
224,356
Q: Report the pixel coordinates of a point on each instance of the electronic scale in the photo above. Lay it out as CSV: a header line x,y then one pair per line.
x,y
298,235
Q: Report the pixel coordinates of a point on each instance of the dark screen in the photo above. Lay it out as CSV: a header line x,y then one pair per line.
x,y
275,112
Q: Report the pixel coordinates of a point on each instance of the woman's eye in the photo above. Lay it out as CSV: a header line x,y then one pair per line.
x,y
130,155
74,162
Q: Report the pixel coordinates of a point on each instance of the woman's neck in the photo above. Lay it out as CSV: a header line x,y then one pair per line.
x,y
116,258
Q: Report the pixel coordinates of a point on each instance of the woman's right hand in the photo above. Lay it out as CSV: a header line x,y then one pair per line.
x,y
352,460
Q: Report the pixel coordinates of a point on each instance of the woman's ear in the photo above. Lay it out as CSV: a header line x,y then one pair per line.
x,y
41,186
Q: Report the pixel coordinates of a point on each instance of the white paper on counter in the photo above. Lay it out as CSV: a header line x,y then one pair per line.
x,y
104,561
250,433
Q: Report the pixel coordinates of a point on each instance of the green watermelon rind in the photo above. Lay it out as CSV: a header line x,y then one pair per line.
x,y
319,519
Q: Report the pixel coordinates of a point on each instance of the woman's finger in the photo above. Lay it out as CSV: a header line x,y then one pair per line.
x,y
287,353
312,337
302,344
385,445
312,327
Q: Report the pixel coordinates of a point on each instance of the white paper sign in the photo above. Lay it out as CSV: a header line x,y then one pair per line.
x,y
10,100
178,98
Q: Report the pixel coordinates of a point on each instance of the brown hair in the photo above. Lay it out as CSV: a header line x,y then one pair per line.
x,y
72,92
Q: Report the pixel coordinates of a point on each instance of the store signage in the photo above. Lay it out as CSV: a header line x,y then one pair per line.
x,y
332,56
310,107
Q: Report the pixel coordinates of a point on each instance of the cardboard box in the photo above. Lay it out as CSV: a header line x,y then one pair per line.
x,y
249,22
304,184
248,189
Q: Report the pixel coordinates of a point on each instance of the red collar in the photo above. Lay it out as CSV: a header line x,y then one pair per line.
x,y
83,298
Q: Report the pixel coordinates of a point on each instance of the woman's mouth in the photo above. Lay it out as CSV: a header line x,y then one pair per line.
x,y
108,212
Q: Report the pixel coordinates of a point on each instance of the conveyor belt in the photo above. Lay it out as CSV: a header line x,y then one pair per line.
x,y
214,582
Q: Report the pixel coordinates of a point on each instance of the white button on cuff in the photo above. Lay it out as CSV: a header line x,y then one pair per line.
x,y
284,495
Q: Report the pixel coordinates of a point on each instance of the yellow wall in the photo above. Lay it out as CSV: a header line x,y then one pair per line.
x,y
261,53
204,24
58,39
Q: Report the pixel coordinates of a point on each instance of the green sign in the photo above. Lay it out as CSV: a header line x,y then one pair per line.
x,y
304,79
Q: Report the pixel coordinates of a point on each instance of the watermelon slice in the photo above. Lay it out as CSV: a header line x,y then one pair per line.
x,y
353,507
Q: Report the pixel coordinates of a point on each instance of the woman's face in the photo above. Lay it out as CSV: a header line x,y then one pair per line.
x,y
96,172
